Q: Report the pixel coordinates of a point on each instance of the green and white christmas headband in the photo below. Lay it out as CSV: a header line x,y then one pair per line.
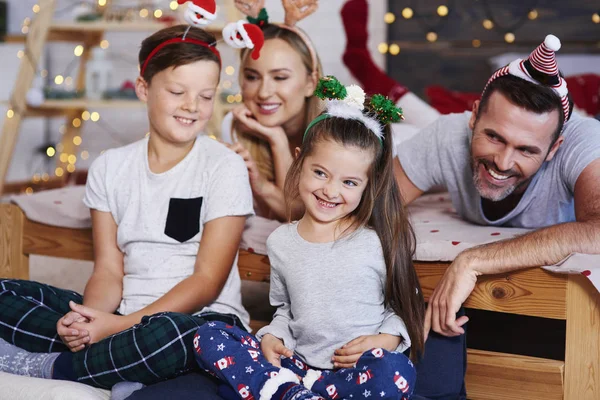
x,y
348,102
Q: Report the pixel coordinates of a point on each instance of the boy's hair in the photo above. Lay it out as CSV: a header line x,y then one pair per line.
x,y
382,210
260,149
176,54
530,96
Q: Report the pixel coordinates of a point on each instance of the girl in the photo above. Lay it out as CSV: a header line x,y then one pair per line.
x,y
161,207
342,277
278,105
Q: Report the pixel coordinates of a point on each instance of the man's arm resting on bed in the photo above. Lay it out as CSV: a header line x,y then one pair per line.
x,y
409,190
546,246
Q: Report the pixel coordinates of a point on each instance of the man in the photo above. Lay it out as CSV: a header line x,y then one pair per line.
x,y
519,159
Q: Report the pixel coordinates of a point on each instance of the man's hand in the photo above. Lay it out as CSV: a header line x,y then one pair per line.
x,y
101,324
348,354
75,339
451,292
273,348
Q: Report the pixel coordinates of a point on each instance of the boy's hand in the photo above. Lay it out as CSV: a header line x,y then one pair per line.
x,y
273,348
101,324
348,355
75,339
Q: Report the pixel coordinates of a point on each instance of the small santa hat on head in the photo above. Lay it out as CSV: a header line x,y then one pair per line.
x,y
252,36
540,68
206,8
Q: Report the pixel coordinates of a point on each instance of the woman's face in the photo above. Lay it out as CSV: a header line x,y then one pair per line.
x,y
275,86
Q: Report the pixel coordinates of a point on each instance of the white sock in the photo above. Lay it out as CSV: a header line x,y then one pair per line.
x,y
123,390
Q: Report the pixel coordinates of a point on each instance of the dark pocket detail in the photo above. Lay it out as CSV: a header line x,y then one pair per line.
x,y
183,219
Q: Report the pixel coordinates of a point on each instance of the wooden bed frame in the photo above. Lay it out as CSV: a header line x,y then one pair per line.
x,y
490,375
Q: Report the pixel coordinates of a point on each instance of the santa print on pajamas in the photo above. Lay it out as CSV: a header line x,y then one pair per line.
x,y
234,356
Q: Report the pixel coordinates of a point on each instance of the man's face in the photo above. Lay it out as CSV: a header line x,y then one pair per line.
x,y
509,146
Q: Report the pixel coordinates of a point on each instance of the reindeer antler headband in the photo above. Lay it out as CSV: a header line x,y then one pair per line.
x,y
295,10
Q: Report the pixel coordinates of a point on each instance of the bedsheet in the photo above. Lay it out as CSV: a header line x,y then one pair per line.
x,y
441,233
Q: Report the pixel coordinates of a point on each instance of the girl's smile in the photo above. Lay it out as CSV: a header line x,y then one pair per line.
x,y
332,181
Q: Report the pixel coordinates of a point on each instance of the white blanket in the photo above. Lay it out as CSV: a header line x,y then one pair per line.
x,y
16,387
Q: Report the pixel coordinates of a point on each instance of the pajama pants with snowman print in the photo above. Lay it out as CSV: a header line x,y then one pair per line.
x,y
234,356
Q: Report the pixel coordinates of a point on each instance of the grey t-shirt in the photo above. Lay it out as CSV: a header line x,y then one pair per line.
x,y
327,294
439,156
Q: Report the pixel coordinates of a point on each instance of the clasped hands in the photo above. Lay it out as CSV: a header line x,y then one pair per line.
x,y
344,357
84,326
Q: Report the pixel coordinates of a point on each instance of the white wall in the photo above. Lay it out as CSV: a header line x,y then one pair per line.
x,y
324,27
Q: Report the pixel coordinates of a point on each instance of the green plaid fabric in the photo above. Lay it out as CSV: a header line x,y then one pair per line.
x,y
159,347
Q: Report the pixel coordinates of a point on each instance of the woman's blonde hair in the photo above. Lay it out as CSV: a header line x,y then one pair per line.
x,y
260,149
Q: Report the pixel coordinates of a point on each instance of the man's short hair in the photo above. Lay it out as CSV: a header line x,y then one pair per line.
x,y
530,96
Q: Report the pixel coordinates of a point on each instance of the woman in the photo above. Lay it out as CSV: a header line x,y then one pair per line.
x,y
277,89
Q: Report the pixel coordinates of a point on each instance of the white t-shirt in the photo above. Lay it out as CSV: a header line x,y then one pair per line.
x,y
227,134
161,217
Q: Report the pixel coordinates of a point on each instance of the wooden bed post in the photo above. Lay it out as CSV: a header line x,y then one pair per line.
x,y
582,355
13,262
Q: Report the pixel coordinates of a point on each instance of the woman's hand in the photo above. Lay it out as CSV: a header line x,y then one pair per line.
x,y
257,181
273,348
348,355
101,324
75,339
249,124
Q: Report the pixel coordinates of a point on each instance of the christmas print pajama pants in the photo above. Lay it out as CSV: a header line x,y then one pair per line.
x,y
158,348
234,356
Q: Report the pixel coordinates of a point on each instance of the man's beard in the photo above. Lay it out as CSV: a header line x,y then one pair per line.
x,y
489,191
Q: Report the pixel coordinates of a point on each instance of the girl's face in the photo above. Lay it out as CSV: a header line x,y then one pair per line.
x,y
180,100
275,86
332,181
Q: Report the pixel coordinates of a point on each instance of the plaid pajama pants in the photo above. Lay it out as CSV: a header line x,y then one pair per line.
x,y
159,347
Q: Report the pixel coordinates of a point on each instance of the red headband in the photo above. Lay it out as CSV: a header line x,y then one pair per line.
x,y
179,40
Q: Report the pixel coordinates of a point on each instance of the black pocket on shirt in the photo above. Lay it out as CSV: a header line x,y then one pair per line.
x,y
183,219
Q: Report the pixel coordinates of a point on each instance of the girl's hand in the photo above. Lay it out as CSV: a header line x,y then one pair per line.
x,y
101,324
251,126
257,181
273,348
348,355
74,339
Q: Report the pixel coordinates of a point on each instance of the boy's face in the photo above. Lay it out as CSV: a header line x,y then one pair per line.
x,y
332,181
180,100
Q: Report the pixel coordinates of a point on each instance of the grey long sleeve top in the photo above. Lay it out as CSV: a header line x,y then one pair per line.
x,y
327,294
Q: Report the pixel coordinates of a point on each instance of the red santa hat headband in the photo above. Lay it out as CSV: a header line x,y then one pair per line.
x,y
540,68
294,11
199,13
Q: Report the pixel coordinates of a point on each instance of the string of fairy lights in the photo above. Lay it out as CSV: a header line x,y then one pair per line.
x,y
64,79
442,13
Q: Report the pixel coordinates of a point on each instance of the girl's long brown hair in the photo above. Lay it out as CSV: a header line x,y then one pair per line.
x,y
382,210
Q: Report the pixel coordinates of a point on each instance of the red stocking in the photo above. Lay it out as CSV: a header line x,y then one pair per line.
x,y
358,59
